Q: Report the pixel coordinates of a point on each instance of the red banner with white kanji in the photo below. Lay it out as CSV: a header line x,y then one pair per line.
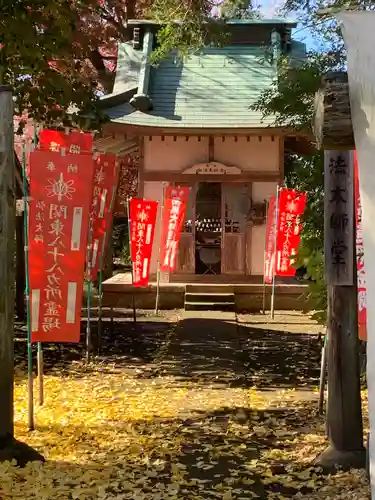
x,y
104,193
291,206
60,192
175,201
361,275
142,215
270,250
72,141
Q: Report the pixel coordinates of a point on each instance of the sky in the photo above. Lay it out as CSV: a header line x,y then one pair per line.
x,y
303,35
271,8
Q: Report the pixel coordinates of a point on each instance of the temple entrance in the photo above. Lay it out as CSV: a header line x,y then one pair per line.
x,y
214,236
236,203
208,228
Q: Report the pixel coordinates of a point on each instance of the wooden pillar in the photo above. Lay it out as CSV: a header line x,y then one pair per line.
x,y
332,123
7,276
211,148
344,415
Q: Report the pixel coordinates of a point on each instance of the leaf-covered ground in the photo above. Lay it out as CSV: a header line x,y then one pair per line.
x,y
201,408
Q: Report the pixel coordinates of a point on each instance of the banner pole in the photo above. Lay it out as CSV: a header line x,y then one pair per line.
x,y
323,375
157,290
264,263
275,247
40,363
88,325
89,292
30,378
131,260
158,271
100,298
101,261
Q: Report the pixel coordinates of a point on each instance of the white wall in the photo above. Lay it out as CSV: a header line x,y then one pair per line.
x,y
359,34
261,191
253,153
169,153
154,191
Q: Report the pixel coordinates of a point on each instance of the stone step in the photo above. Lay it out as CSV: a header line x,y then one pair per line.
x,y
210,297
208,288
209,306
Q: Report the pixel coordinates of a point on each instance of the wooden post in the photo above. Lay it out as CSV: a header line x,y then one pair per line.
x,y
275,252
339,219
9,448
344,414
159,252
332,123
7,274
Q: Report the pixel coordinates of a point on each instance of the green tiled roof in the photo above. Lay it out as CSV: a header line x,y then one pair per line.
x,y
213,89
279,21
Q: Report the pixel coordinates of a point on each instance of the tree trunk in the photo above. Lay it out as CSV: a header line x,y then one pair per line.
x,y
332,118
9,448
20,269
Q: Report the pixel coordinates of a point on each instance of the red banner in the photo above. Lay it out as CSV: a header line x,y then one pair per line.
x,y
104,192
291,206
142,229
270,251
361,275
73,141
60,191
175,201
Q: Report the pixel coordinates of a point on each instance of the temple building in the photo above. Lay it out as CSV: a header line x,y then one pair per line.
x,y
193,123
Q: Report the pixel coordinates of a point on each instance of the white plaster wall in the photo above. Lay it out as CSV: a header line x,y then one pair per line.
x,y
260,192
253,153
154,191
174,153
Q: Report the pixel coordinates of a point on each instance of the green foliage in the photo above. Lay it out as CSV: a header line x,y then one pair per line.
x,y
120,240
48,55
238,9
187,25
291,101
306,174
291,97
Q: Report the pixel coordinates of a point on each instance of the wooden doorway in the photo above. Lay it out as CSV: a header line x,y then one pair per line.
x,y
186,248
236,208
216,223
208,228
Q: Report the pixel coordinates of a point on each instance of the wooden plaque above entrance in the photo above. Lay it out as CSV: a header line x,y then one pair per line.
x,y
212,168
